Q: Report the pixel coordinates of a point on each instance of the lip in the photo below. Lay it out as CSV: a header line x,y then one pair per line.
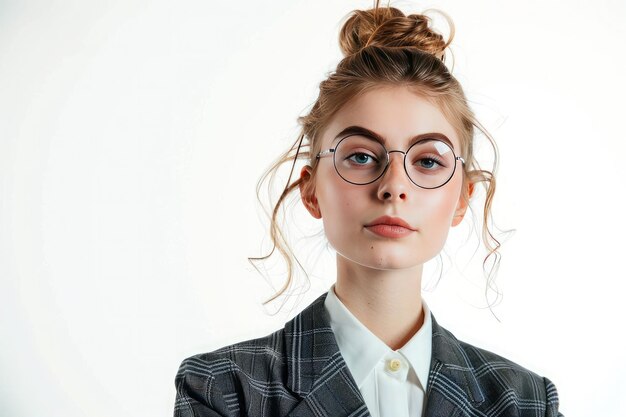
x,y
391,227
391,221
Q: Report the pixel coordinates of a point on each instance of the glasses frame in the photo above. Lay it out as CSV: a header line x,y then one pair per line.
x,y
326,152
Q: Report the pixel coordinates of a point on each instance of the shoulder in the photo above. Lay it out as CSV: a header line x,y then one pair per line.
x,y
220,378
506,382
489,366
266,358
493,379
263,376
239,355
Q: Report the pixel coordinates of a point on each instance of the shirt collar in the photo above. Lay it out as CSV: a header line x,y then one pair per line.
x,y
362,350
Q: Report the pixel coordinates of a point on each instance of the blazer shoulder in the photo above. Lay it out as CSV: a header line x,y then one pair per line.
x,y
494,379
226,378
266,376
269,347
246,358
489,365
498,375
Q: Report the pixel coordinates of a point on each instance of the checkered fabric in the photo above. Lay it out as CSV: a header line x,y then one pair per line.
x,y
298,371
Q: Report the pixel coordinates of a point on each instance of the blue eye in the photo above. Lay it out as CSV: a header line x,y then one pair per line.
x,y
428,163
360,158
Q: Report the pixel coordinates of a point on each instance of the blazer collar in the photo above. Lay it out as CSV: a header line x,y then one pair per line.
x,y
452,384
315,368
317,372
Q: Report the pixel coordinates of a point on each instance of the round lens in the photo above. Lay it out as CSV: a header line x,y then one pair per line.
x,y
360,159
430,163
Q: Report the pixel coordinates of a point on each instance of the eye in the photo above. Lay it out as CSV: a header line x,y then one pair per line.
x,y
429,163
360,158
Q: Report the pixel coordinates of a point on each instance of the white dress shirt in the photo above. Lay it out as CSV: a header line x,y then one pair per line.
x,y
392,382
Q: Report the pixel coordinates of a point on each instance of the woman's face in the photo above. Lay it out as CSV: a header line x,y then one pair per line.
x,y
397,115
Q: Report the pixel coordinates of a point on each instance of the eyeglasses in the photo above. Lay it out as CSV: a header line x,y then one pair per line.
x,y
361,160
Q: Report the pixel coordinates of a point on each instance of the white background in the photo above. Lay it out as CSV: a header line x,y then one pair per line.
x,y
132,134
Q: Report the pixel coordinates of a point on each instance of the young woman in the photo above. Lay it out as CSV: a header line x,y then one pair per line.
x,y
390,169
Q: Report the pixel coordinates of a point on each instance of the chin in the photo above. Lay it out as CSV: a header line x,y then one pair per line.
x,y
387,261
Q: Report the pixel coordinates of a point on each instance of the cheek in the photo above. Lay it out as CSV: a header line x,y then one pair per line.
x,y
331,188
341,205
440,204
339,202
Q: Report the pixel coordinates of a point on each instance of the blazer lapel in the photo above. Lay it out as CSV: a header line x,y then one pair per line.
x,y
318,374
316,369
452,386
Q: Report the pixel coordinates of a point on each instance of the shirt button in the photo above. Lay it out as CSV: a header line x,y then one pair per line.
x,y
394,364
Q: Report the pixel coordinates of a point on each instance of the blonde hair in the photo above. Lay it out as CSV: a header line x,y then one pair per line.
x,y
384,47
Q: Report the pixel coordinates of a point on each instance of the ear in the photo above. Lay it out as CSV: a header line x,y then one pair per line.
x,y
307,192
461,207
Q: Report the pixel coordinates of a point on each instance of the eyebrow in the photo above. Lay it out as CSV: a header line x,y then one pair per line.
x,y
360,130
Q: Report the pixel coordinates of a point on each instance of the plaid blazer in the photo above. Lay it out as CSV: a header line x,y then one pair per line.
x,y
298,371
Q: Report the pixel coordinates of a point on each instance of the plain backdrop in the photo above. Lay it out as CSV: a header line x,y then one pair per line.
x,y
132,136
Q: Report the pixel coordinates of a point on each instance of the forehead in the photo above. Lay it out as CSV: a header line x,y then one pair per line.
x,y
395,113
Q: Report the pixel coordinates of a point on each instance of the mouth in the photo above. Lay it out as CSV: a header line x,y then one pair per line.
x,y
391,227
390,221
389,230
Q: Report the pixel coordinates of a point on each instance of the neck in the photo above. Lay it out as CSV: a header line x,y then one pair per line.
x,y
387,302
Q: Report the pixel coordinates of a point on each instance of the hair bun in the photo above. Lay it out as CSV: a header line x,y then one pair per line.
x,y
390,27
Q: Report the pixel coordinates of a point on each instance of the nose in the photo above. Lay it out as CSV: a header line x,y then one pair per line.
x,y
394,183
